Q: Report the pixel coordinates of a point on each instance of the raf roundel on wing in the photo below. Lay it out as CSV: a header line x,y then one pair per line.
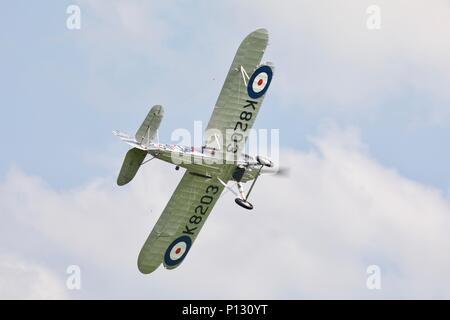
x,y
177,250
259,82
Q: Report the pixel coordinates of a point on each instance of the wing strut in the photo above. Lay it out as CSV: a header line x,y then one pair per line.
x,y
228,187
244,74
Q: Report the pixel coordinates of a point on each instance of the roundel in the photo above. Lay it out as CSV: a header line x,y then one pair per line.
x,y
259,82
177,250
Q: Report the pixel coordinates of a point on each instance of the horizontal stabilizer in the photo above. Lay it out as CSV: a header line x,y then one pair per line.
x,y
130,166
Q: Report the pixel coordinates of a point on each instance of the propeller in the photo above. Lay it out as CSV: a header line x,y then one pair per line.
x,y
281,172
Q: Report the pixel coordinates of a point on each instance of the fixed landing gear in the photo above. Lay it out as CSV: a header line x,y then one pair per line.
x,y
242,201
242,197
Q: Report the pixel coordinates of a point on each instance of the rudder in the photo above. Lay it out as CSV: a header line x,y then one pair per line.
x,y
148,129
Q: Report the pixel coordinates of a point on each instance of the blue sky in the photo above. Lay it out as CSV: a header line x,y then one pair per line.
x,y
64,91
49,78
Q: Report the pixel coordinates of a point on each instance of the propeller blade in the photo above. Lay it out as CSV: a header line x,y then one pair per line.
x,y
276,171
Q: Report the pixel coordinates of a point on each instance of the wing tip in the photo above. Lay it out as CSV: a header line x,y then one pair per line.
x,y
260,36
146,269
145,266
260,32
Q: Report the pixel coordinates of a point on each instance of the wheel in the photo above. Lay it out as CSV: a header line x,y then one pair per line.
x,y
264,161
244,203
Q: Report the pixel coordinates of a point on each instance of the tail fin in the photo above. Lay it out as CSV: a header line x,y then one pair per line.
x,y
149,127
145,134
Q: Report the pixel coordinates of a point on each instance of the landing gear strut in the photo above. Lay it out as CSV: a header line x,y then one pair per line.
x,y
242,201
242,198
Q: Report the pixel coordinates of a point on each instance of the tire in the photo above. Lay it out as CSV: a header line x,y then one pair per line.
x,y
244,203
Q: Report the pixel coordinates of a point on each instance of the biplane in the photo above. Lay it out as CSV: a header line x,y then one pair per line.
x,y
209,170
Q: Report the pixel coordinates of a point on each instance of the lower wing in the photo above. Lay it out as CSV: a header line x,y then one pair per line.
x,y
179,224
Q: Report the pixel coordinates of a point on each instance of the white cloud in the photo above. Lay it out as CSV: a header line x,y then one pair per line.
x,y
310,235
125,23
327,61
21,279
324,44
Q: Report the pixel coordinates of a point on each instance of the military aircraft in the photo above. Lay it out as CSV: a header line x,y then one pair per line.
x,y
209,170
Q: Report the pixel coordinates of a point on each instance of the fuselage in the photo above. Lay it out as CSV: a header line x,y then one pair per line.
x,y
206,162
202,161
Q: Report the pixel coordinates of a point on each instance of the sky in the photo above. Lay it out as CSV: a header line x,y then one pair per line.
x,y
364,122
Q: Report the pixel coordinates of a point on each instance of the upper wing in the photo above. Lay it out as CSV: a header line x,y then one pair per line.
x,y
241,96
180,222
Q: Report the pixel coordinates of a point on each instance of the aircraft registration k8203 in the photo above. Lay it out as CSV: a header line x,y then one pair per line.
x,y
209,170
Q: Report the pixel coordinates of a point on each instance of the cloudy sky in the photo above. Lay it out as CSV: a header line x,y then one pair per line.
x,y
364,119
